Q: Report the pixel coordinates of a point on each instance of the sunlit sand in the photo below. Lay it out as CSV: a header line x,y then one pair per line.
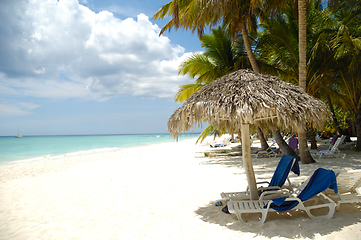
x,y
163,191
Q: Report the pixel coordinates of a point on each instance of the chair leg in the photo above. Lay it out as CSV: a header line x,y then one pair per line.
x,y
331,207
261,221
338,206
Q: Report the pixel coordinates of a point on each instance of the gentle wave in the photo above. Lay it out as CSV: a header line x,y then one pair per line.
x,y
33,148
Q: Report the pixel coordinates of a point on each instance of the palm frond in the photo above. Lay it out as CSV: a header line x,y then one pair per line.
x,y
186,90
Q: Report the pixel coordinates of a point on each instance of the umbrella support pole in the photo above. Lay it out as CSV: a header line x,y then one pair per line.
x,y
247,161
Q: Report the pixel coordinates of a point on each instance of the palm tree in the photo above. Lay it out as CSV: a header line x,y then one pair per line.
x,y
347,46
302,41
278,51
196,15
238,16
222,55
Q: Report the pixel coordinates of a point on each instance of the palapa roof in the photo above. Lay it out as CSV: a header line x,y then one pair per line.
x,y
247,97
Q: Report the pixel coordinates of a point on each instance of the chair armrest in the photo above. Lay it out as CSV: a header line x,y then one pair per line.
x,y
274,194
262,182
287,199
247,189
269,188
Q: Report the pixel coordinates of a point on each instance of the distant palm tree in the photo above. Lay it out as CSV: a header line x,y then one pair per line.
x,y
347,46
222,55
197,15
278,51
302,43
240,16
283,49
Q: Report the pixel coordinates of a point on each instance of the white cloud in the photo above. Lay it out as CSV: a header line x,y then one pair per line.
x,y
8,108
125,9
100,55
27,105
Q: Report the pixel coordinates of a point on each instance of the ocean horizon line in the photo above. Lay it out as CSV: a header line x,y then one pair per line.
x,y
98,134
29,147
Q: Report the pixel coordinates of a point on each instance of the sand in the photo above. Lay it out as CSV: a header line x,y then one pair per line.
x,y
163,191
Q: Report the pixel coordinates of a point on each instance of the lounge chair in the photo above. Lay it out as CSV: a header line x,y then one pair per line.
x,y
270,151
328,146
321,180
285,165
347,184
347,145
265,153
293,143
217,145
334,151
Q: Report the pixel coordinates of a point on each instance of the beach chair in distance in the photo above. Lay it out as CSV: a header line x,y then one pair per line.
x,y
285,165
328,146
264,153
334,151
293,143
321,180
270,151
217,145
347,184
347,145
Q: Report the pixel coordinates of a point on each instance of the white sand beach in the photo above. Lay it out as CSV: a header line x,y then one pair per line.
x,y
163,191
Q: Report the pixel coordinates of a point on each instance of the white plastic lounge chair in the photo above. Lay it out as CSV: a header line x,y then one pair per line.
x,y
217,145
334,152
347,184
328,145
347,145
270,151
321,180
265,153
285,165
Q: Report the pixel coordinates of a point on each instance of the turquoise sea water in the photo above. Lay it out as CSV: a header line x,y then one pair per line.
x,y
28,147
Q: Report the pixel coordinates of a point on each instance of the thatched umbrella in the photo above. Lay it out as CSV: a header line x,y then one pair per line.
x,y
241,98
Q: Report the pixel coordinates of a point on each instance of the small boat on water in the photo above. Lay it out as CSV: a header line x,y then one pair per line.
x,y
18,136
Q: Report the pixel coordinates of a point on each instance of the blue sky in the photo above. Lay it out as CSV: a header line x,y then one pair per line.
x,y
88,67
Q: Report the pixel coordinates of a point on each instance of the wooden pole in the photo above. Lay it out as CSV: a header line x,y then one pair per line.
x,y
247,161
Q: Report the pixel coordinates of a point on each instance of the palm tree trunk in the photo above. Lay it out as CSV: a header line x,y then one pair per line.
x,y
312,135
305,154
255,68
302,134
334,119
264,144
248,47
285,148
302,43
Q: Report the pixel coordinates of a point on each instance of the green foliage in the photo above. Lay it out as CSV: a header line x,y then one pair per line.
x,y
209,130
333,46
222,55
341,117
333,54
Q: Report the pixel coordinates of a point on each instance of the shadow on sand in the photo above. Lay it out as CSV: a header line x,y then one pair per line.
x,y
264,166
294,223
